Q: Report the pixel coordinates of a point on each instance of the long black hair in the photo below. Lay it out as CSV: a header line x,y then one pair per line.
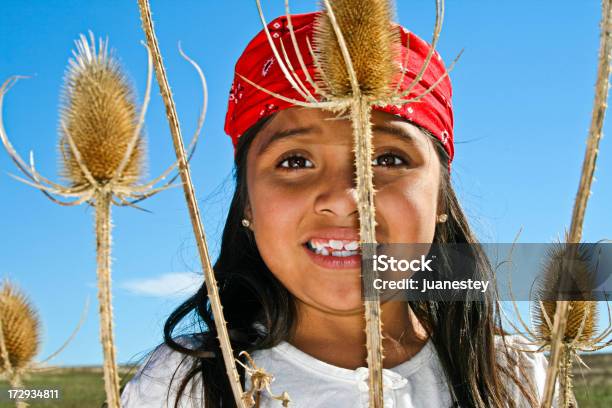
x,y
260,312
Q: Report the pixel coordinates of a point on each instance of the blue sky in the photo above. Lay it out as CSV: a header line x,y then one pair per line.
x,y
523,95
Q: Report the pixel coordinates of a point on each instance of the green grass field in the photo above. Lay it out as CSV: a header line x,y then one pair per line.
x,y
85,389
82,388
599,396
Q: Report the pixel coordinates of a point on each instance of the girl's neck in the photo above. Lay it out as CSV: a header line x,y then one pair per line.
x,y
339,339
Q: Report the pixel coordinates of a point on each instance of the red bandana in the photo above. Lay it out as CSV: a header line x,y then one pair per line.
x,y
247,104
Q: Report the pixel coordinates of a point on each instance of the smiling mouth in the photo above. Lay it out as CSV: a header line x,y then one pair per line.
x,y
340,248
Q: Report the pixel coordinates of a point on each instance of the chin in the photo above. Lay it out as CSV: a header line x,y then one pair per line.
x,y
345,303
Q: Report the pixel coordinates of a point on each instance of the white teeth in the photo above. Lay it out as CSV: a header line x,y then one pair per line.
x,y
351,246
336,244
343,253
334,247
321,250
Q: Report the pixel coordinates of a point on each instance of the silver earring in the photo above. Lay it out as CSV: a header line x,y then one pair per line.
x,y
246,223
442,218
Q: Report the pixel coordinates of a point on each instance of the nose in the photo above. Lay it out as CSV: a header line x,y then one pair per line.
x,y
337,194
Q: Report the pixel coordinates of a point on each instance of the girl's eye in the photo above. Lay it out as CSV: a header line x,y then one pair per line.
x,y
295,162
389,160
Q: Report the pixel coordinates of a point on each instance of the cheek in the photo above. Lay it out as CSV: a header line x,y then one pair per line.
x,y
277,210
274,207
406,210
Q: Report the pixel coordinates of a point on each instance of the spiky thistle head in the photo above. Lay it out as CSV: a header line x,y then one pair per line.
x,y
20,327
99,113
372,42
572,262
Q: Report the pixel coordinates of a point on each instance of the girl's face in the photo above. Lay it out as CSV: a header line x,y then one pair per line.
x,y
301,182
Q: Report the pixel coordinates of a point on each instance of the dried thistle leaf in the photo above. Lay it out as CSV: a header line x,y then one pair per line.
x,y
99,113
582,316
372,43
20,326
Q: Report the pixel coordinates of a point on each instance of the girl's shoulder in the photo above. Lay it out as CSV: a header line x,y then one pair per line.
x,y
158,381
525,361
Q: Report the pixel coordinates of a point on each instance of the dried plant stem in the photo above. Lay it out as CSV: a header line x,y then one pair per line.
x,y
16,384
595,131
362,135
565,378
584,190
361,111
103,257
194,212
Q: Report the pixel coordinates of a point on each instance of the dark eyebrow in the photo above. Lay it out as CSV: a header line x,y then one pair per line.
x,y
282,134
398,132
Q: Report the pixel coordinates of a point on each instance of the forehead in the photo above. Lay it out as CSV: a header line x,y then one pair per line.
x,y
321,126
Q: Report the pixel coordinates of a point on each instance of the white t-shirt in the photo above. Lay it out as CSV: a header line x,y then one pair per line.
x,y
312,383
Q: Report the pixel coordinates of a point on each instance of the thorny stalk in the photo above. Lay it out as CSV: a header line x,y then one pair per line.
x,y
566,397
360,111
362,133
584,190
103,251
192,204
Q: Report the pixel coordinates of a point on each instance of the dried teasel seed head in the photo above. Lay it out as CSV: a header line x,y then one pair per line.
x,y
372,42
20,327
573,262
99,113
580,321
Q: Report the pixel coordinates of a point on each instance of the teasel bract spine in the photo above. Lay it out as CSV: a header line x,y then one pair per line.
x,y
558,353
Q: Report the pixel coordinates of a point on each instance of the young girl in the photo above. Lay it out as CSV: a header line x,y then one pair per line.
x,y
289,266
